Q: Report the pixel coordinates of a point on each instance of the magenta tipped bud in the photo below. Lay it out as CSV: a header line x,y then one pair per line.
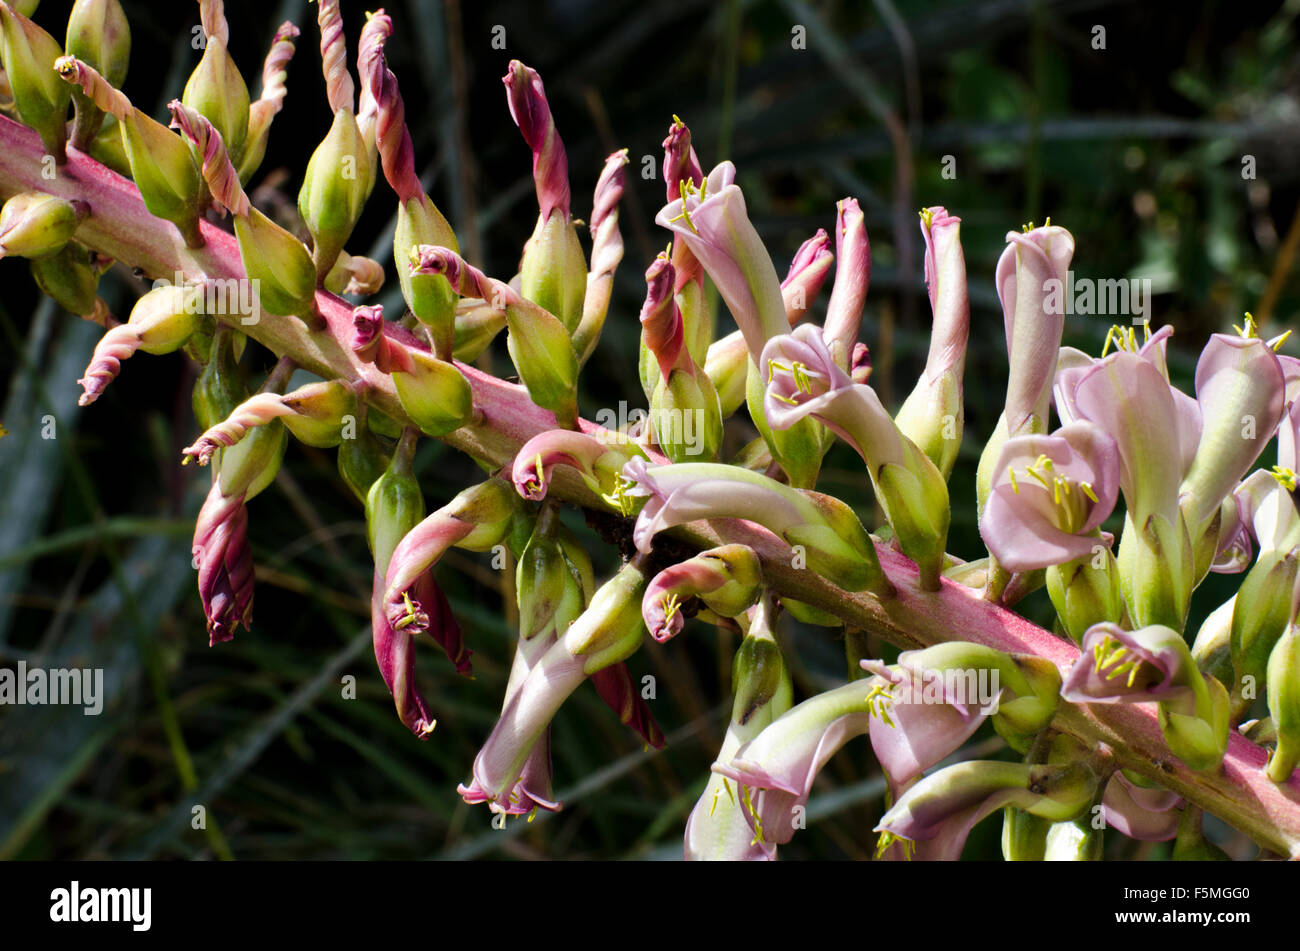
x,y
808,272
852,277
526,98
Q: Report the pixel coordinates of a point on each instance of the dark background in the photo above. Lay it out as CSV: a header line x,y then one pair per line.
x,y
1136,148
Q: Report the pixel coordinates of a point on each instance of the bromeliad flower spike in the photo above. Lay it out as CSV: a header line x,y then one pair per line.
x,y
1102,481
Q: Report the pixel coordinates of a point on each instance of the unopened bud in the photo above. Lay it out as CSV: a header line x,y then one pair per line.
x,y
33,224
553,273
334,189
160,322
364,458
434,394
98,34
1284,704
39,95
430,297
217,91
1084,594
70,278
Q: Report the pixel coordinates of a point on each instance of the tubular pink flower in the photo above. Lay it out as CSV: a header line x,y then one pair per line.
x,y
945,279
370,47
1050,496
373,342
1150,815
939,812
1118,666
212,16
661,320
713,222
776,769
621,694
852,278
222,179
606,252
392,138
1033,324
596,462
526,98
909,735
96,87
1240,390
120,343
334,56
225,562
727,579
808,271
395,655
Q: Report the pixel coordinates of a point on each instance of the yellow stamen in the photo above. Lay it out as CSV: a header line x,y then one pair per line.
x,y
1277,344
1011,474
1286,477
1086,489
671,605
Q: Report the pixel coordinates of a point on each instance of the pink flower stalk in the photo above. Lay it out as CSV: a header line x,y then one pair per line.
x,y
852,278
715,225
1033,323
532,113
597,463
1139,812
1050,496
808,272
225,563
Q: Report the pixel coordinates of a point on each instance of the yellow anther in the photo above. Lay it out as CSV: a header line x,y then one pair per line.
x,y
671,605
1011,474
1277,344
409,619
533,814
1286,477
927,216
1086,489
888,838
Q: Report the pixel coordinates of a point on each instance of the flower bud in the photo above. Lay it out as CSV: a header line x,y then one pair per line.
x,y
1259,616
394,505
275,70
727,366
217,91
477,325
278,265
718,829
160,322
430,297
33,224
852,278
355,274
334,190
1083,594
1024,836
727,579
1212,649
434,394
543,578
1284,703
553,272
29,55
220,387
362,458
538,343
69,277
